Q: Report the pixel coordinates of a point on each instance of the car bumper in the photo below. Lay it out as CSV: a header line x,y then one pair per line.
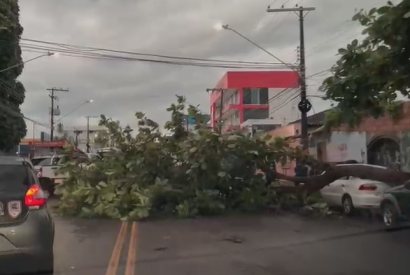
x,y
370,201
27,246
26,260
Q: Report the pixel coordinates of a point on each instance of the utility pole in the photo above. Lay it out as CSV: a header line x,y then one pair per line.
x,y
222,91
221,111
53,97
77,133
88,132
304,105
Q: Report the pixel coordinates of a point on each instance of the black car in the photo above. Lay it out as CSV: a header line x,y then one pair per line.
x,y
395,205
26,227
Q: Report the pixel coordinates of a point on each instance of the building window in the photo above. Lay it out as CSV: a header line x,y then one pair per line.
x,y
255,96
255,114
263,96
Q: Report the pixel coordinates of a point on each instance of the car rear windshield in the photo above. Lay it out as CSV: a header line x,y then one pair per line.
x,y
44,162
13,178
36,161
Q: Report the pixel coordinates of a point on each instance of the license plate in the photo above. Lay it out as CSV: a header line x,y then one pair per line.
x,y
58,181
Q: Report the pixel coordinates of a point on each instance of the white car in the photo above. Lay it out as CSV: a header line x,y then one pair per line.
x,y
354,193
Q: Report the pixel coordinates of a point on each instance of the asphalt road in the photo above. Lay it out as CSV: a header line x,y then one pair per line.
x,y
280,245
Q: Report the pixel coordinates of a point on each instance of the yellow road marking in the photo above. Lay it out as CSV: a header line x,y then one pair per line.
x,y
116,253
132,251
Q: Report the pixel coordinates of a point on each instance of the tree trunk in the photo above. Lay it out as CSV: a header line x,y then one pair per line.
x,y
315,183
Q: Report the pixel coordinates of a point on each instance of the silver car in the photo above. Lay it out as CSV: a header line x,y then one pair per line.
x,y
26,227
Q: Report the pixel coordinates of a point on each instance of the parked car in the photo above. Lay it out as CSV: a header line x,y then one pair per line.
x,y
47,172
395,205
26,227
354,193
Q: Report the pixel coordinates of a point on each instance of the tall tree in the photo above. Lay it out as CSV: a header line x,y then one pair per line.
x,y
369,75
12,92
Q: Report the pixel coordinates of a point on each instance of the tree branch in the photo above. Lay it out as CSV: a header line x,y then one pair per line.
x,y
315,183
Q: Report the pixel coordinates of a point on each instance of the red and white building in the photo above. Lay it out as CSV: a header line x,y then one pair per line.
x,y
254,95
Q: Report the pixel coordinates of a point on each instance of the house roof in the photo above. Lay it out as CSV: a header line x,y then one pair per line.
x,y
314,120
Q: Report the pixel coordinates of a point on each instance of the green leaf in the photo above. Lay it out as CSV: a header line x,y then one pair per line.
x,y
372,11
193,150
407,15
102,184
203,166
342,51
222,174
357,16
355,43
383,9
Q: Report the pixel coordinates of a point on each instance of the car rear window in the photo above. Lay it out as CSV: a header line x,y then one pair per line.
x,y
14,178
44,162
37,161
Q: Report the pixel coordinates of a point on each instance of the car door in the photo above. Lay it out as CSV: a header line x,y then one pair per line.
x,y
333,193
351,187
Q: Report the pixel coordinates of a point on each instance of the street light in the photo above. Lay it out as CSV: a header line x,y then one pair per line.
x,y
75,109
220,26
24,62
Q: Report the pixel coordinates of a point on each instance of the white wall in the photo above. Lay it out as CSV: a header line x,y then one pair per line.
x,y
347,146
282,109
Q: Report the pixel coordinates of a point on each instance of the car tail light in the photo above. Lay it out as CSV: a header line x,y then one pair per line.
x,y
367,187
35,196
40,173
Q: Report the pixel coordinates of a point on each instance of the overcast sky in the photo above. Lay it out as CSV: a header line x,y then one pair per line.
x,y
178,28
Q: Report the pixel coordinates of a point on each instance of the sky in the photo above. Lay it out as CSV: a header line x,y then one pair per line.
x,y
176,28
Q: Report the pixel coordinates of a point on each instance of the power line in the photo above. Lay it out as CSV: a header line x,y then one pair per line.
x,y
69,47
181,63
286,102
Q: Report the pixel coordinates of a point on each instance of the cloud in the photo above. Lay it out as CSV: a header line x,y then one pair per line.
x,y
179,27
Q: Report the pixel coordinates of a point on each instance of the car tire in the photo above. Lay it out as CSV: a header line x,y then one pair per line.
x,y
347,204
390,215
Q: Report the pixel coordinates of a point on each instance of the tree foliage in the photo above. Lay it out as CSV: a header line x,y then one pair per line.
x,y
12,92
370,75
190,173
184,174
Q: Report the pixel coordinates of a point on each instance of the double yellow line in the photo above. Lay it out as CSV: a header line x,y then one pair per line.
x,y
132,250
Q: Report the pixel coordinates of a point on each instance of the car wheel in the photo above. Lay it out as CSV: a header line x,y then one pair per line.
x,y
348,207
390,216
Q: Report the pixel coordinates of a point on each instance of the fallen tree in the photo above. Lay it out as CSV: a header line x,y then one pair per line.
x,y
190,173
205,173
315,183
